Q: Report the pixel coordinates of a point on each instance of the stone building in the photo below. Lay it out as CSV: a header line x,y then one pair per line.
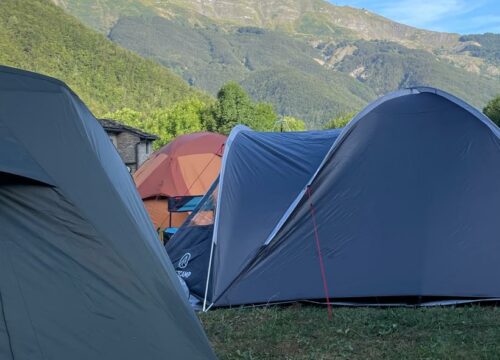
x,y
133,145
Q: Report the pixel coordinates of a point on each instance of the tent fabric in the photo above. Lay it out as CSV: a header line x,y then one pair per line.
x,y
189,249
261,199
404,204
5,349
157,209
408,196
20,163
186,166
261,175
82,274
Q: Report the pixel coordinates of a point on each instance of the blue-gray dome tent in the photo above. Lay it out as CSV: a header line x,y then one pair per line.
x,y
403,204
82,274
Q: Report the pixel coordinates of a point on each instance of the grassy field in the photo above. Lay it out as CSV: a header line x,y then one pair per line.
x,y
304,332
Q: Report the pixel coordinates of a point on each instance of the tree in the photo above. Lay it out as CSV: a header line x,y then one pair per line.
x,y
289,123
127,116
340,121
492,110
234,106
294,124
262,117
182,118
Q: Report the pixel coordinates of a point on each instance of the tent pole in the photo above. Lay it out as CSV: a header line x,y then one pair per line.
x,y
227,145
205,309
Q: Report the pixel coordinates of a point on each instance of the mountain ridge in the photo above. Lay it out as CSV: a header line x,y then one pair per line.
x,y
352,55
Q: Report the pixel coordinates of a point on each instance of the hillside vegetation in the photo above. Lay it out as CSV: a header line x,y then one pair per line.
x,y
311,17
313,83
306,96
385,66
270,65
309,58
485,46
38,36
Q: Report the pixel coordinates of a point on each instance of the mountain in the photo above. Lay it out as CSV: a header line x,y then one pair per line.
x,y
385,66
39,36
208,57
310,58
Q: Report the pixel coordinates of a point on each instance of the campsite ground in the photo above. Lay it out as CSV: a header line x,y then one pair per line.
x,y
304,332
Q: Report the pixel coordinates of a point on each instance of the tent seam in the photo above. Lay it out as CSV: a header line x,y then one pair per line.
x,y
6,327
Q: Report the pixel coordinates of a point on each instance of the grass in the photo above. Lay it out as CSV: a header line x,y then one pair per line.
x,y
304,332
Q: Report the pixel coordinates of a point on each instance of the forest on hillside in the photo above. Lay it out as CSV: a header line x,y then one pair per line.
x,y
276,87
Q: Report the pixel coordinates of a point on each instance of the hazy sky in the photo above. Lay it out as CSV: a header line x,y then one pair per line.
x,y
460,16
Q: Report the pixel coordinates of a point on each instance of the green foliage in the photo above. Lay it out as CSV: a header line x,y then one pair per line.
x,y
492,110
128,117
340,121
263,117
38,36
181,118
233,107
289,123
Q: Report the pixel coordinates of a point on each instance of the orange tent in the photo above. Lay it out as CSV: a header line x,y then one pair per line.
x,y
186,166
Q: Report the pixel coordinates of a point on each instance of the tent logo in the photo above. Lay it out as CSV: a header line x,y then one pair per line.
x,y
184,261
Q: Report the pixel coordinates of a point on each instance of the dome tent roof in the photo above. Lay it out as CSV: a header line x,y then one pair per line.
x,y
185,166
82,274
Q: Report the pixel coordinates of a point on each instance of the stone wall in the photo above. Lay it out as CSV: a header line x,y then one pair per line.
x,y
132,149
126,147
143,151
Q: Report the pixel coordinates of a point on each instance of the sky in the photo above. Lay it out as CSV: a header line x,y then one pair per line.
x,y
458,16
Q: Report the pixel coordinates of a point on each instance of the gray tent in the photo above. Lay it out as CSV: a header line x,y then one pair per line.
x,y
82,275
261,175
404,205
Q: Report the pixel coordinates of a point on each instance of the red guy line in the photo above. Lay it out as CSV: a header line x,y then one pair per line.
x,y
318,248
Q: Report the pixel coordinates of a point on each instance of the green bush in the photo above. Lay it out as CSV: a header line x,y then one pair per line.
x,y
492,110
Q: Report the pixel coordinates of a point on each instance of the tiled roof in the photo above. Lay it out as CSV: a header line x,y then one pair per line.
x,y
117,127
